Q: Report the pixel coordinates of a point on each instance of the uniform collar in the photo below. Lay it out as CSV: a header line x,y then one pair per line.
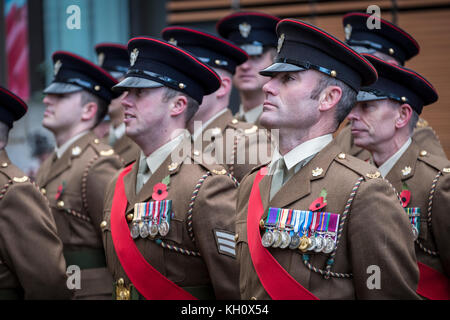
x,y
390,163
60,151
118,132
252,115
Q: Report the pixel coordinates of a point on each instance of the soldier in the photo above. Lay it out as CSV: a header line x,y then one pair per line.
x,y
26,223
74,178
332,229
169,218
255,33
114,59
242,146
394,45
382,122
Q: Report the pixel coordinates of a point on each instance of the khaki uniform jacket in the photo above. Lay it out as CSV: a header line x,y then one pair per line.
x,y
26,223
125,148
376,232
84,171
423,134
243,146
176,257
417,168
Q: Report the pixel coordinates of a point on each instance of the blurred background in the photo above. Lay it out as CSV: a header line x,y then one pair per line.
x,y
31,30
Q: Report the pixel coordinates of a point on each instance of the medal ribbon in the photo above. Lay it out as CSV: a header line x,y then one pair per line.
x,y
333,225
147,280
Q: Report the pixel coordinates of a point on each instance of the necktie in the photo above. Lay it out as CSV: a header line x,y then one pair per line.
x,y
278,177
143,175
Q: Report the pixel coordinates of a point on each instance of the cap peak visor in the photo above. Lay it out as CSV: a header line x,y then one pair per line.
x,y
136,82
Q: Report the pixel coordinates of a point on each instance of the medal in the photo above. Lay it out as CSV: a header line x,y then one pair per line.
x,y
143,209
298,217
304,243
295,242
277,239
312,244
414,218
164,225
267,239
134,232
314,224
155,215
285,240
319,244
144,230
329,246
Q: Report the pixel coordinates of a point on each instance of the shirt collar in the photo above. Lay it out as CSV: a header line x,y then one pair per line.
x,y
155,159
390,163
118,132
60,151
197,132
304,151
252,115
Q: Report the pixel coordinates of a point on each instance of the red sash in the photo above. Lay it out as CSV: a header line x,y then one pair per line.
x,y
147,280
433,285
277,282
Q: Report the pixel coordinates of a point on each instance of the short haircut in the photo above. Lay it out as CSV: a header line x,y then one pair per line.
x,y
345,104
102,105
192,105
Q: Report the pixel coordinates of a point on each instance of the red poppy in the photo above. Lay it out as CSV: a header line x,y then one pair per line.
x,y
159,191
405,197
317,204
59,192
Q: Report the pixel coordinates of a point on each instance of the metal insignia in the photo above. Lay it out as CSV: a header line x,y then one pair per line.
x,y
107,153
173,166
406,170
221,172
280,42
244,29
251,130
348,32
76,151
133,56
216,132
374,175
446,170
57,67
317,172
101,58
23,179
173,41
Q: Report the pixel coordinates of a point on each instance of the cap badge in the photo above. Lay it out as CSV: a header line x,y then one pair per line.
x,y
280,42
244,29
348,31
173,41
133,56
57,66
101,58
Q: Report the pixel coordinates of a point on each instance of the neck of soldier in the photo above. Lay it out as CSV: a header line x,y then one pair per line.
x,y
63,136
206,111
381,152
251,99
152,142
289,138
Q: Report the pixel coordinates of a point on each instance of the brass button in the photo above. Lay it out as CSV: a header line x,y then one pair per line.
x,y
404,99
253,298
60,204
234,121
181,86
96,141
130,217
391,51
120,282
43,191
103,224
261,224
333,73
423,153
341,156
236,237
97,88
4,164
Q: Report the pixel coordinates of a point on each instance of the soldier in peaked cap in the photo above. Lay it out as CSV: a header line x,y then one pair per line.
x,y
169,217
26,222
394,45
238,145
382,122
309,225
114,58
255,33
75,176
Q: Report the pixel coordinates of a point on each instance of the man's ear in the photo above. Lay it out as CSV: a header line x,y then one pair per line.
x,y
178,105
225,87
329,98
89,111
404,115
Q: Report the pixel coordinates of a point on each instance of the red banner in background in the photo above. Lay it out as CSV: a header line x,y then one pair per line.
x,y
16,17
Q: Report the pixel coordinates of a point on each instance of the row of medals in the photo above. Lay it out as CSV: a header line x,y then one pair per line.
x,y
282,239
145,229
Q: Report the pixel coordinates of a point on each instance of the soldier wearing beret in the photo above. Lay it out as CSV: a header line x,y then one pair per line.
x,y
169,217
26,223
317,223
255,33
382,122
114,58
238,145
75,176
394,45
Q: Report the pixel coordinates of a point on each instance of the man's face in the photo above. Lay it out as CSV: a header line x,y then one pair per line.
x,y
145,111
373,123
63,111
247,77
115,107
288,102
